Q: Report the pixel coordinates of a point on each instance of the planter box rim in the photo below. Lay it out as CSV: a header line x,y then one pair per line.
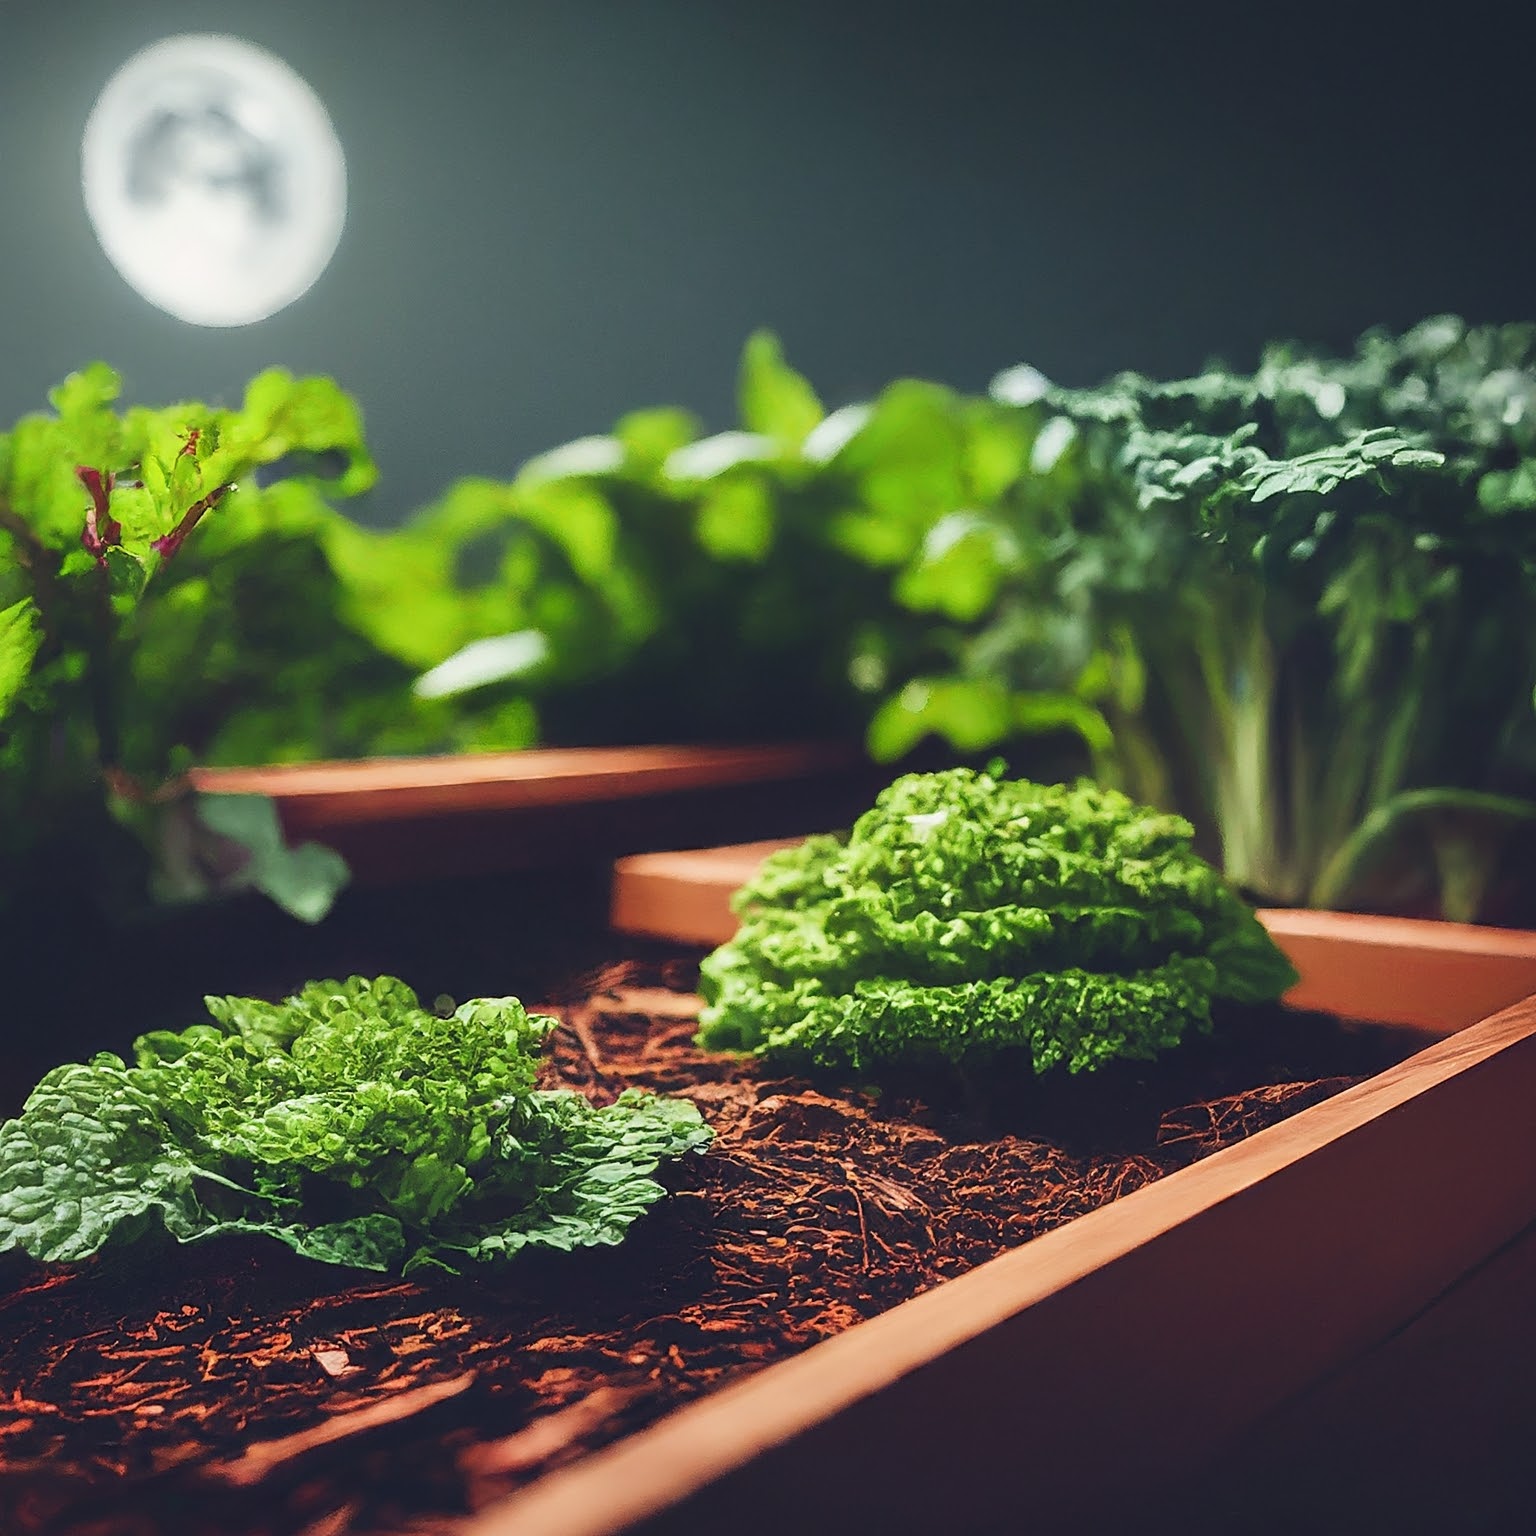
x,y
371,788
650,1472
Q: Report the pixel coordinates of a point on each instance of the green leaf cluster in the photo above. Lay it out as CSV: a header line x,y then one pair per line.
x,y
803,574
347,1123
177,587
967,916
161,576
789,576
681,586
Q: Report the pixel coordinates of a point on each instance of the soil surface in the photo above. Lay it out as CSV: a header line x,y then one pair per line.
x,y
233,1388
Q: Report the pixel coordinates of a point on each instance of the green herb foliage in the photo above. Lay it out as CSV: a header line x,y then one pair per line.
x,y
657,584
966,916
347,1123
803,573
784,578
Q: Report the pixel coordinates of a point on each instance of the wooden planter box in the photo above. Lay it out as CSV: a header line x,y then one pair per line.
x,y
1073,1380
1085,1372
423,818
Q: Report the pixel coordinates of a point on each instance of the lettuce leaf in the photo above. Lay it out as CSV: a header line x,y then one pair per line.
x,y
966,916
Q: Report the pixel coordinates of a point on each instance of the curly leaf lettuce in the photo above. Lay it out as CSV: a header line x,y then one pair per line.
x,y
965,916
347,1123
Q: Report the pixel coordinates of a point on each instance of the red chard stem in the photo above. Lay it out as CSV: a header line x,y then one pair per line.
x,y
167,544
102,530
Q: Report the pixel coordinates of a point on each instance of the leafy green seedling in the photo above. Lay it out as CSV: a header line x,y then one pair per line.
x,y
131,627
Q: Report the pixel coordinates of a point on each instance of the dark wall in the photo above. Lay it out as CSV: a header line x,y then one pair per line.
x,y
560,211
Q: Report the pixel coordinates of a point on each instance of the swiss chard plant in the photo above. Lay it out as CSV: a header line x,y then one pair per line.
x,y
347,1123
967,916
121,647
173,591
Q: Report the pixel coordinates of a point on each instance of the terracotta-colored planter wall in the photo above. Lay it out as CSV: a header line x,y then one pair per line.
x,y
402,819
1121,1353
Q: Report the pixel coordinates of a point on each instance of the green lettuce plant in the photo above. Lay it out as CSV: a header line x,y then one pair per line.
x,y
347,1123
966,916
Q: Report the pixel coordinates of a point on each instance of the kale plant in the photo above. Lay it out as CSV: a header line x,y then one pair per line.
x,y
1300,601
347,1123
966,916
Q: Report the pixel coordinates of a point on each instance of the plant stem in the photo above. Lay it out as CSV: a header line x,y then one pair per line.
x,y
103,705
1459,885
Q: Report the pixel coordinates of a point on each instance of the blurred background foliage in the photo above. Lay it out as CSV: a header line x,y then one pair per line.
x,y
1294,604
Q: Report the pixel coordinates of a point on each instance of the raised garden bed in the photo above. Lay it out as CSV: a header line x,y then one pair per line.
x,y
235,1389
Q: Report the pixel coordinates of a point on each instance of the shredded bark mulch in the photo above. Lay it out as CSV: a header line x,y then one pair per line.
x,y
233,1388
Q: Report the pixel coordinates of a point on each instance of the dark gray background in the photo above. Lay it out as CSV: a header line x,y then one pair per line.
x,y
561,211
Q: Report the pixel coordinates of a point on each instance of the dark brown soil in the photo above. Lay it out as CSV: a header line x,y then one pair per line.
x,y
233,1388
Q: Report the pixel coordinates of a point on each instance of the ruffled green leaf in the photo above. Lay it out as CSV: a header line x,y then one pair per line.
x,y
966,916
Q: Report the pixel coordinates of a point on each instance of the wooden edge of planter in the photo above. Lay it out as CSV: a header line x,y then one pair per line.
x,y
1118,1351
1433,976
312,796
1404,970
685,895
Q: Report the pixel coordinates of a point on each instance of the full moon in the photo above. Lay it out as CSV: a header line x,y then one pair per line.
x,y
214,180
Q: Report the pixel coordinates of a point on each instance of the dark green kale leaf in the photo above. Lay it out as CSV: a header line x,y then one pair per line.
x,y
967,915
347,1123
1299,600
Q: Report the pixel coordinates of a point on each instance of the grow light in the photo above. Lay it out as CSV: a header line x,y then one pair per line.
x,y
214,180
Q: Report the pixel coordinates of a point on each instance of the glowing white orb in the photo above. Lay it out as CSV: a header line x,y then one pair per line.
x,y
214,179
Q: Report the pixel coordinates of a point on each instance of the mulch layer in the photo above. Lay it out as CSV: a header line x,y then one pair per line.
x,y
233,1388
